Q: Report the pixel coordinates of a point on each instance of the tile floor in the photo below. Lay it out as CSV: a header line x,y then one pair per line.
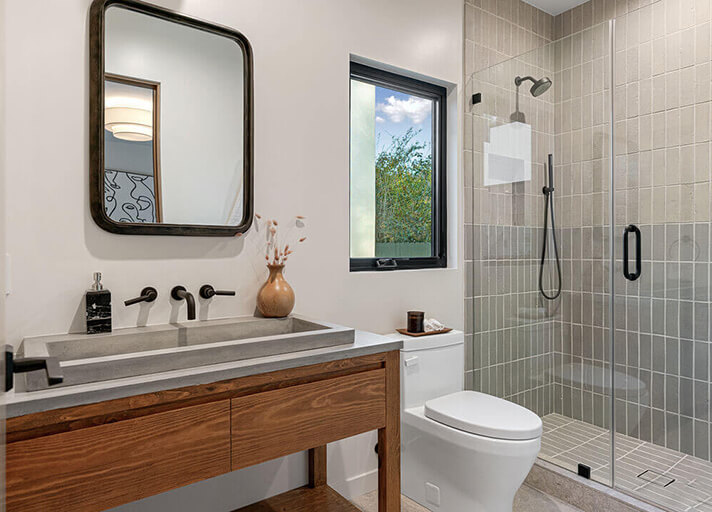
x,y
653,473
526,500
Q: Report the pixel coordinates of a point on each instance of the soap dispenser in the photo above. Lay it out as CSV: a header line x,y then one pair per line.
x,y
98,307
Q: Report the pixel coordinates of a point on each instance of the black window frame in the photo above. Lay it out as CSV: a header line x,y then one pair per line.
x,y
438,95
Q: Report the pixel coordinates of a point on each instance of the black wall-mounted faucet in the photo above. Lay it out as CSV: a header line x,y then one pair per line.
x,y
148,294
208,292
180,293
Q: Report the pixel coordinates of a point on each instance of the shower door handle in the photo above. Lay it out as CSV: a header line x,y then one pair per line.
x,y
632,228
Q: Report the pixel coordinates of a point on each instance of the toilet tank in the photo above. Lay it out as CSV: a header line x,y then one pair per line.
x,y
431,366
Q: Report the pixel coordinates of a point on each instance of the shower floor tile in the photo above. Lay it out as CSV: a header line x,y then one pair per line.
x,y
654,473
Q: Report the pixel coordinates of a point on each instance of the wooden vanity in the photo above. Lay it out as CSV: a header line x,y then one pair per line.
x,y
100,455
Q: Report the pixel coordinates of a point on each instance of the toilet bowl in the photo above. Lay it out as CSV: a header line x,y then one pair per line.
x,y
461,451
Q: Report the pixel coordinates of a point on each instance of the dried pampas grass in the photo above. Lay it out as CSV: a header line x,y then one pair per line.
x,y
277,248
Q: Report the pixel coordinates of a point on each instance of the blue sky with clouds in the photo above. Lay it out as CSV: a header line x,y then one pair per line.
x,y
396,112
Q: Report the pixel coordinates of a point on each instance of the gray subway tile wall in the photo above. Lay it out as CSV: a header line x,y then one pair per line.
x,y
509,332
582,128
554,357
662,178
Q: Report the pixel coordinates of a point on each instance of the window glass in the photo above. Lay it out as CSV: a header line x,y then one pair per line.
x,y
393,171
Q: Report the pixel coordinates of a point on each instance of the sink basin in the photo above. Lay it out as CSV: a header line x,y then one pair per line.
x,y
144,350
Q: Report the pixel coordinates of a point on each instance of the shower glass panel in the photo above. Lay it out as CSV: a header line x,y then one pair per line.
x,y
551,356
618,365
662,319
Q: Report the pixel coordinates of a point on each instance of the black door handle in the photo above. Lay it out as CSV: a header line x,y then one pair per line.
x,y
632,228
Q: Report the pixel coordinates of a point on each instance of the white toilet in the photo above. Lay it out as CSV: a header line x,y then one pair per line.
x,y
461,451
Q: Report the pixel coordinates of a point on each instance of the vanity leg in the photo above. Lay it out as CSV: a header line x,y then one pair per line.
x,y
389,440
317,466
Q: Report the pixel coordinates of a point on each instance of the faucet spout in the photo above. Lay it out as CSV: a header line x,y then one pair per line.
x,y
180,293
190,300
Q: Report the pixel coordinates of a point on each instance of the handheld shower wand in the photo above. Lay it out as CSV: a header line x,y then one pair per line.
x,y
548,191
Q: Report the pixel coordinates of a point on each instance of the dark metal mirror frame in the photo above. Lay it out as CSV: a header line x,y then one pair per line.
x,y
96,123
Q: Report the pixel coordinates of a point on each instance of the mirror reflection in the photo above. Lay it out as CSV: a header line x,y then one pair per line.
x,y
173,123
131,135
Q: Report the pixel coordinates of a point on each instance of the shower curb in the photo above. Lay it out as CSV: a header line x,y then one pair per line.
x,y
582,493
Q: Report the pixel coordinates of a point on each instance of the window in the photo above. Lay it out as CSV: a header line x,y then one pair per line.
x,y
397,172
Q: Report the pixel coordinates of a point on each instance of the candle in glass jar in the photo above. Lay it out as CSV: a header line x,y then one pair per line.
x,y
415,321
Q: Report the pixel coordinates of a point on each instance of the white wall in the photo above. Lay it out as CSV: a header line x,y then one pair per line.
x,y
301,168
2,176
2,249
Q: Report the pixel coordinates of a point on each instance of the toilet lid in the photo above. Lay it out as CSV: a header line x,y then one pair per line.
x,y
485,415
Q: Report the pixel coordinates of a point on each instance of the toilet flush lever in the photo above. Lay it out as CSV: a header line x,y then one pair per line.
x,y
410,361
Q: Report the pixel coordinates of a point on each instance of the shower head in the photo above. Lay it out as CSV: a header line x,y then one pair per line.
x,y
538,88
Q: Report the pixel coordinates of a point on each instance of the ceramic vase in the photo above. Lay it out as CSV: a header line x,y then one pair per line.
x,y
276,298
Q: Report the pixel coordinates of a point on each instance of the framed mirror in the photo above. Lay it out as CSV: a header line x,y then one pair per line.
x,y
170,123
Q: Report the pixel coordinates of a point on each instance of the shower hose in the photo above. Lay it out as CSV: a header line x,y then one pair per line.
x,y
549,208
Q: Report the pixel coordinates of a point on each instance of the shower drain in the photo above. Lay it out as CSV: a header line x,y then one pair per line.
x,y
656,478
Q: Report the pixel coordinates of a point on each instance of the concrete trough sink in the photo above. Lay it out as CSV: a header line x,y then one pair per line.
x,y
146,350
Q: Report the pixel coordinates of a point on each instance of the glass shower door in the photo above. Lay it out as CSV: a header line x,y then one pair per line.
x,y
662,294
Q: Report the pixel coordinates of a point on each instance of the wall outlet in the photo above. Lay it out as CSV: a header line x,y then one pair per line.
x,y
432,493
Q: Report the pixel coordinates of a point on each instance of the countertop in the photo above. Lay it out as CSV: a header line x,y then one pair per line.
x,y
19,403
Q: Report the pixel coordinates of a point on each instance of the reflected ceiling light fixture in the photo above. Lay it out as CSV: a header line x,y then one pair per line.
x,y
129,118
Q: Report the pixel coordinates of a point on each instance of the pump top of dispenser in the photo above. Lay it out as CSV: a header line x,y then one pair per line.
x,y
97,286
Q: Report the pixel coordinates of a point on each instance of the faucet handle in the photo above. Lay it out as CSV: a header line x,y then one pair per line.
x,y
208,292
148,294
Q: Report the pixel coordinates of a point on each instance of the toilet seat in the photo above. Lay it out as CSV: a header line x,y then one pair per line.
x,y
485,415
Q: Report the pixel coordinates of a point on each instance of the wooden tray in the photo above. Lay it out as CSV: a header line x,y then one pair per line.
x,y
419,334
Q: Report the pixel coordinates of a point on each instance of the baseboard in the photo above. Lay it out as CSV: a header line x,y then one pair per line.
x,y
358,485
580,492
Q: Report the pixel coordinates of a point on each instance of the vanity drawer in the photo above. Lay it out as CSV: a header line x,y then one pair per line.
x,y
276,423
100,467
